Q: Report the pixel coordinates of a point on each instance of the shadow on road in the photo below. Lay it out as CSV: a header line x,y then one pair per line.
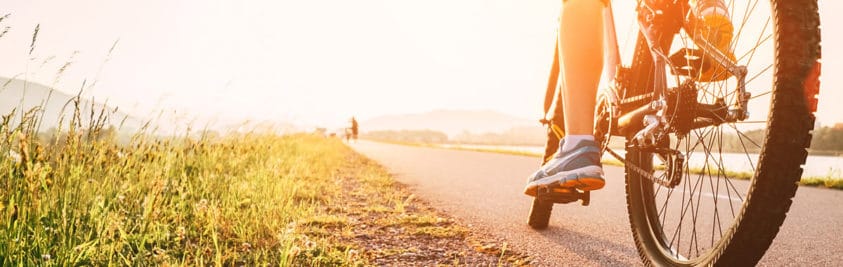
x,y
604,252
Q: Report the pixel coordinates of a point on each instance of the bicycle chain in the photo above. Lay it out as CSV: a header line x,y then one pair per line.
x,y
639,170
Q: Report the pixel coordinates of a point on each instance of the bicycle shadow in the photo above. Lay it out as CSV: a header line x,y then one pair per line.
x,y
597,250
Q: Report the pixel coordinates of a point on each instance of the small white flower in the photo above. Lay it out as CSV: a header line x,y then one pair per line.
x,y
353,253
15,156
294,251
202,205
180,233
291,228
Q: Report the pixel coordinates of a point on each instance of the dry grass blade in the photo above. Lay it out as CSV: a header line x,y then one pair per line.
x,y
5,31
34,38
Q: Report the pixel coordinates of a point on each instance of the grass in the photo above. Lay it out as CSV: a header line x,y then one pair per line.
x,y
80,197
823,182
77,196
233,200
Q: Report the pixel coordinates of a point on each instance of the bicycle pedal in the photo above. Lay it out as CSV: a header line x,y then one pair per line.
x,y
586,198
564,195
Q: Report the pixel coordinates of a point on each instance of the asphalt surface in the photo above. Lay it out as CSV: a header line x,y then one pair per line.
x,y
484,190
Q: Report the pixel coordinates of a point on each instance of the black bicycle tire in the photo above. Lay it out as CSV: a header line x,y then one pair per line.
x,y
541,209
788,135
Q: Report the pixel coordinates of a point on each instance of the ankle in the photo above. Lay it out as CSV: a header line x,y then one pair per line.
x,y
571,141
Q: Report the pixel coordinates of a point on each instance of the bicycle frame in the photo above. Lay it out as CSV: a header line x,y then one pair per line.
x,y
645,123
685,207
611,56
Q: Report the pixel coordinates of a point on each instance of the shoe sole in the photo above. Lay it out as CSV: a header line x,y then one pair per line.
x,y
586,179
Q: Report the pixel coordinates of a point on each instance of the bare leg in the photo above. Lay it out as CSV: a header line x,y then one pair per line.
x,y
581,56
577,162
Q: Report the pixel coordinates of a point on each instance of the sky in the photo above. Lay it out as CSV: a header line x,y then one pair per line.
x,y
314,62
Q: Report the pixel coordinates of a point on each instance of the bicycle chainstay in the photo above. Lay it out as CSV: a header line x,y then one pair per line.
x,y
670,183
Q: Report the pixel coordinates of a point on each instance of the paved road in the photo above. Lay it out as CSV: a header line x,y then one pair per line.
x,y
484,190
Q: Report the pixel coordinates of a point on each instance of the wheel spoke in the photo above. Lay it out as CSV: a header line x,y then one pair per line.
x,y
761,94
744,20
761,40
741,134
712,154
759,73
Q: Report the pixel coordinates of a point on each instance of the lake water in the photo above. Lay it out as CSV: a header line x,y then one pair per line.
x,y
815,166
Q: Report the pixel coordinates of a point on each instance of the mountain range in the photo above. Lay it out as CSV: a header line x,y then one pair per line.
x,y
21,96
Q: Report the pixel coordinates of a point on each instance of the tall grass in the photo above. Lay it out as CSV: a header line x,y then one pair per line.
x,y
78,196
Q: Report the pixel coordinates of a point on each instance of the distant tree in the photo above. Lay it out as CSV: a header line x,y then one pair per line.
x,y
828,139
321,131
514,136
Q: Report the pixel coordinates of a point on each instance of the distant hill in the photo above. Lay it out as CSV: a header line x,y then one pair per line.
x,y
22,96
518,136
451,122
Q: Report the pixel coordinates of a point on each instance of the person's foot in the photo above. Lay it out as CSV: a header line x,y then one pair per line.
x,y
578,168
713,23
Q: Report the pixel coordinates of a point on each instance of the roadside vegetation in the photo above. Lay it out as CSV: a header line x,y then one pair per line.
x,y
85,192
83,198
80,197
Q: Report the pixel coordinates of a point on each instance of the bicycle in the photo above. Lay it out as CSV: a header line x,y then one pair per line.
x,y
685,208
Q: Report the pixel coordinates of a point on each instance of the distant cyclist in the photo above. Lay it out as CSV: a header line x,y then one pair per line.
x,y
354,128
579,55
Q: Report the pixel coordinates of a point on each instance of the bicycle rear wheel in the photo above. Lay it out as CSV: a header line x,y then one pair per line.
x,y
542,208
722,213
